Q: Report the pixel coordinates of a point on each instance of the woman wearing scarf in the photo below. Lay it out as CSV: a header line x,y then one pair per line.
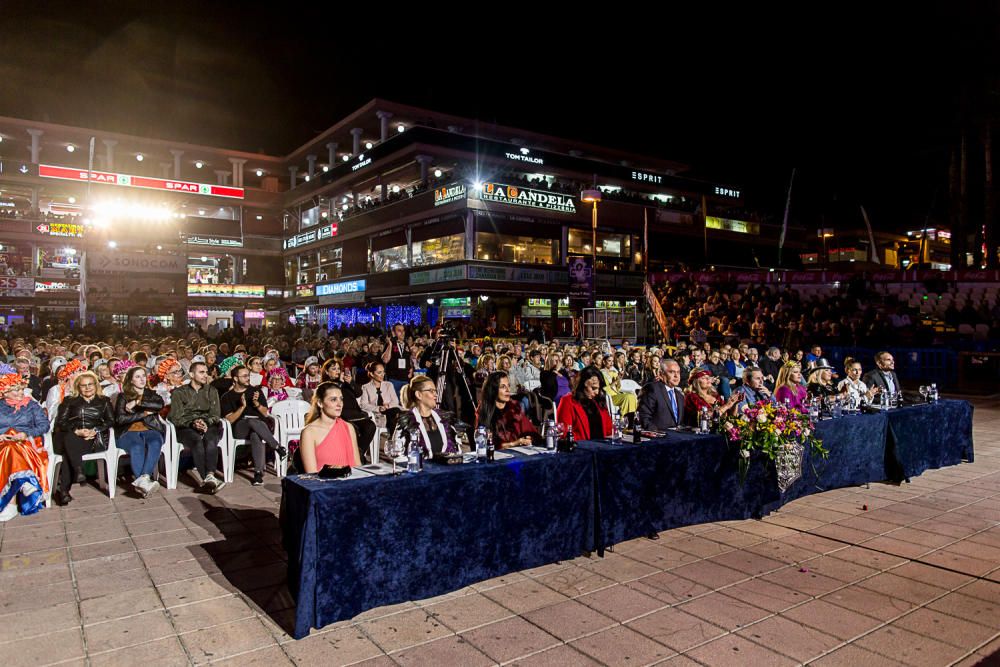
x,y
434,433
23,460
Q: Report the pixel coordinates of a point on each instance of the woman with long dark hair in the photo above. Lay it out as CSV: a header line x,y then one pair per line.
x,y
503,416
138,428
334,371
327,438
586,408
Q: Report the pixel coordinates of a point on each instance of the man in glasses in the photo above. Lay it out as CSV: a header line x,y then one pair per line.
x,y
245,407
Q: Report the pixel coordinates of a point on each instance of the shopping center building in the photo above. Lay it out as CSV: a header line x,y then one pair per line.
x,y
394,213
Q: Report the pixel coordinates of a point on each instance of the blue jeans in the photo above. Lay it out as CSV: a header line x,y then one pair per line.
x,y
143,449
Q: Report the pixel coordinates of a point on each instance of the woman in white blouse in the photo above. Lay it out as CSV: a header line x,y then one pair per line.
x,y
379,397
853,385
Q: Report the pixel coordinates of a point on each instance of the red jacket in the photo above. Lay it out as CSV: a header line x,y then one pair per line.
x,y
571,412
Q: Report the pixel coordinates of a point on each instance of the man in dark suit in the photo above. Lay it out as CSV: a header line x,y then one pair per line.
x,y
884,377
754,390
662,403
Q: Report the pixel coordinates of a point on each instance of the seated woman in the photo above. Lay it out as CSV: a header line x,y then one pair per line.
x,y
138,429
379,397
66,375
853,386
585,408
83,426
23,459
486,365
821,381
310,377
703,395
433,431
788,388
626,401
275,391
555,384
118,370
503,417
333,371
327,438
735,366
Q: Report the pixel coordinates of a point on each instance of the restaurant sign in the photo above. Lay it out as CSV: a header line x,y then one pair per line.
x,y
517,196
449,194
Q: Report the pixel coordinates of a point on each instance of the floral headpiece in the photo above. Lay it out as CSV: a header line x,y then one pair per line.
x,y
699,374
121,366
71,367
10,381
228,364
164,368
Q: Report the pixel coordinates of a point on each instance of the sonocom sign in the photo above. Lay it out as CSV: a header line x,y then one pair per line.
x,y
134,262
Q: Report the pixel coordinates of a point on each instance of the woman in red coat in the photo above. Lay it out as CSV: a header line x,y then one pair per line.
x,y
586,409
503,417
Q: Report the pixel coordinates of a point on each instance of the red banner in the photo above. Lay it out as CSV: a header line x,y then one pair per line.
x,y
128,181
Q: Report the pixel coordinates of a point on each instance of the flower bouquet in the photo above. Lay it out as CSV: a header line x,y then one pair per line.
x,y
780,433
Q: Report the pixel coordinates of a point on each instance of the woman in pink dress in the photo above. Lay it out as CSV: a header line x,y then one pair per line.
x,y
327,439
788,387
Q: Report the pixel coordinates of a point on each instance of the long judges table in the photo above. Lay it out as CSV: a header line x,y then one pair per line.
x,y
357,544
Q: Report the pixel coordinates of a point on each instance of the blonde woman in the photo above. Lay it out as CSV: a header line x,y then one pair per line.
x,y
788,387
433,431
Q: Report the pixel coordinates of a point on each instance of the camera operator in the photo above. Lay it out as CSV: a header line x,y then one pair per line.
x,y
396,357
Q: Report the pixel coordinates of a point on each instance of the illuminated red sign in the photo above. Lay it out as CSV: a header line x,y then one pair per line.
x,y
125,180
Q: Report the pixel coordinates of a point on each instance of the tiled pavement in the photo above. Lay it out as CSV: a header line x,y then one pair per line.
x,y
189,579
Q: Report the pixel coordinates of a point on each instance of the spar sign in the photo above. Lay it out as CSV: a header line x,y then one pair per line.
x,y
129,181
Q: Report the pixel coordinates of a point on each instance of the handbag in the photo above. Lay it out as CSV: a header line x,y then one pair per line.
x,y
100,443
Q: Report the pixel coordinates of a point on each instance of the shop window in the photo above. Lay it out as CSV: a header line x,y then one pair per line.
x,y
210,270
389,259
516,249
608,245
439,250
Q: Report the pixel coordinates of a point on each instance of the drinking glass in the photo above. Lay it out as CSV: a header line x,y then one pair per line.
x,y
394,447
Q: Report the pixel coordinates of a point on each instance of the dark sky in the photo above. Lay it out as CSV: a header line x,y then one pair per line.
x,y
864,104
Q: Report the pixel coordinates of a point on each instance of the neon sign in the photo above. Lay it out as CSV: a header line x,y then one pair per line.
x,y
129,181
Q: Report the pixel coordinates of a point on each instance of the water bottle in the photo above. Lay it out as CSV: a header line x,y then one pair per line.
x,y
413,458
551,438
703,420
838,409
490,448
482,436
934,391
884,403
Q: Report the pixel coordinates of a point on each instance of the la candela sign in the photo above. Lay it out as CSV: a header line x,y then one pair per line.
x,y
129,181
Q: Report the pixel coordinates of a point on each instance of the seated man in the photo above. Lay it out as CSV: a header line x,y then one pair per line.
x,y
662,403
194,410
884,377
245,407
754,389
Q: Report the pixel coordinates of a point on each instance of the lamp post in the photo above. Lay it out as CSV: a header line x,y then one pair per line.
x,y
592,197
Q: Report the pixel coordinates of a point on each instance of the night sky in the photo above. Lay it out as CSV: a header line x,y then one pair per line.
x,y
864,104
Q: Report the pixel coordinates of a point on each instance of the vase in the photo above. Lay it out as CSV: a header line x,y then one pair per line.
x,y
788,464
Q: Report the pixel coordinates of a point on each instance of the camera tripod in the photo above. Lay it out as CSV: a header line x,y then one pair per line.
x,y
459,397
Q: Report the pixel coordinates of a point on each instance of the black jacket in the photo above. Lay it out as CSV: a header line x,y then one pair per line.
x,y
76,413
150,401
655,412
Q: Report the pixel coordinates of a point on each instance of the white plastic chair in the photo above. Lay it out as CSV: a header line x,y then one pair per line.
x,y
228,446
290,419
373,446
54,461
109,458
631,386
171,454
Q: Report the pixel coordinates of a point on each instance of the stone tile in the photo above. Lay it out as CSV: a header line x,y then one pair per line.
x,y
982,589
724,611
452,650
948,558
808,583
524,596
934,576
619,568
851,656
38,559
568,620
559,656
735,650
766,595
574,581
512,638
223,641
669,588
868,557
896,547
949,629
342,646
734,538
128,631
699,546
56,647
790,638
984,612
895,586
836,568
747,562
194,590
467,612
39,621
921,537
37,597
869,602
101,549
208,613
710,574
111,582
677,629
166,651
909,648
663,558
117,562
120,605
781,551
272,656
405,629
831,619
622,646
621,602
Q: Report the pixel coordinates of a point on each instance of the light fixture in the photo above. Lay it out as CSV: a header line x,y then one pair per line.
x,y
345,207
368,145
591,196
70,251
307,178
259,172
204,259
325,214
430,301
159,247
112,244
70,148
260,217
1,139
401,129
395,189
139,157
484,297
437,173
198,164
478,186
346,158
344,200
326,168
72,200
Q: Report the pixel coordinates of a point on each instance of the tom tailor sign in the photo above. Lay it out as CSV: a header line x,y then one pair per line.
x,y
518,196
129,181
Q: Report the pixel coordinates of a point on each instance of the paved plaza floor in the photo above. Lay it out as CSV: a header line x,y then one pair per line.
x,y
884,575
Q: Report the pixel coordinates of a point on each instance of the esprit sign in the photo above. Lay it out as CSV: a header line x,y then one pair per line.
x,y
129,181
518,196
132,262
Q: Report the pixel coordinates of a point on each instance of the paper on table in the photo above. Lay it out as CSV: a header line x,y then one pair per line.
x,y
527,451
377,468
500,456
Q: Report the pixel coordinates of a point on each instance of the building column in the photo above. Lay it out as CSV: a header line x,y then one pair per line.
x,y
292,171
470,235
425,163
564,246
35,148
109,145
311,159
222,175
384,117
356,133
332,154
383,189
166,168
177,162
34,199
237,171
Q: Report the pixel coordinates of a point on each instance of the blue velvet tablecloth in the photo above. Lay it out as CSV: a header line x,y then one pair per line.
x,y
356,544
928,436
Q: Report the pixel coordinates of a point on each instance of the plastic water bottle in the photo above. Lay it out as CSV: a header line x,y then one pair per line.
x,y
413,458
481,437
551,437
838,409
934,391
703,420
